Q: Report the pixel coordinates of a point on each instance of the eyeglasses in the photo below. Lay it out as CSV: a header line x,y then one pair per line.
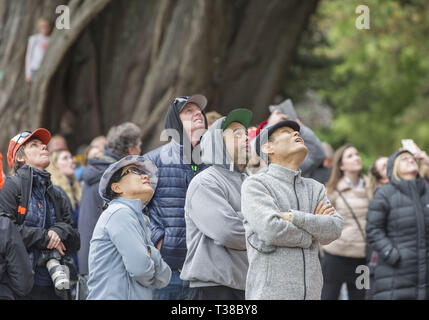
x,y
134,170
19,138
407,159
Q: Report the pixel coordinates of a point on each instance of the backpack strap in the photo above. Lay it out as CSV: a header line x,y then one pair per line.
x,y
353,214
22,207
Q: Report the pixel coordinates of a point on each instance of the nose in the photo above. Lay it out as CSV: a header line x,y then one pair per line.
x,y
296,133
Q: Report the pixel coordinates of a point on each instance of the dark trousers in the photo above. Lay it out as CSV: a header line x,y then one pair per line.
x,y
215,293
338,270
41,293
331,291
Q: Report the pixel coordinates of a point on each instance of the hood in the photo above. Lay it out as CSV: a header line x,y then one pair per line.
x,y
391,162
94,170
172,121
213,150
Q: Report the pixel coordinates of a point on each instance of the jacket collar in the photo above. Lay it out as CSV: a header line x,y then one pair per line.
x,y
343,185
286,174
134,204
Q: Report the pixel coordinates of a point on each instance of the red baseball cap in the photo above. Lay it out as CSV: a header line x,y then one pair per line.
x,y
21,138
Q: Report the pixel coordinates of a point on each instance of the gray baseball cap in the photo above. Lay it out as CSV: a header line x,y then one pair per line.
x,y
198,99
286,107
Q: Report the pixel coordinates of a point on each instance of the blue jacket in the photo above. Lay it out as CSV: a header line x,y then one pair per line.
x,y
166,209
119,263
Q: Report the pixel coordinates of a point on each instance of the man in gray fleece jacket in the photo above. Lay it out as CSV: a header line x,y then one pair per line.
x,y
286,217
216,261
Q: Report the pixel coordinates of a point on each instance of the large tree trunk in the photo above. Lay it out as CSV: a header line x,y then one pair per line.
x,y
127,59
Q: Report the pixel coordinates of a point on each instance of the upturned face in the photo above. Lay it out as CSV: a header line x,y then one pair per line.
x,y
407,165
237,143
350,161
192,119
65,163
36,154
134,184
286,141
381,166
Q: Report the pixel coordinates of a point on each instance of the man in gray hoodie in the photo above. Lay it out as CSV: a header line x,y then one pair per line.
x,y
286,217
216,261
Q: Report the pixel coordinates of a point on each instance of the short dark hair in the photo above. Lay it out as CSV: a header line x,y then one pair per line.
x,y
115,178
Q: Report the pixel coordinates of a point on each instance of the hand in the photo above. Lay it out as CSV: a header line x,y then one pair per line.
x,y
288,216
327,209
28,79
423,157
61,248
54,241
158,246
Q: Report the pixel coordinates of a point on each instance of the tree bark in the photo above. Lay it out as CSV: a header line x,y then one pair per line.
x,y
125,60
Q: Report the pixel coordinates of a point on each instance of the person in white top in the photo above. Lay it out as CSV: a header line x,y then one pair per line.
x,y
37,45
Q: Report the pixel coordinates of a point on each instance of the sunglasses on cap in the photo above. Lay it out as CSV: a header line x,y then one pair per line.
x,y
19,138
134,170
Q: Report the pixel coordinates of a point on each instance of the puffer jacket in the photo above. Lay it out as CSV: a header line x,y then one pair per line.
x,y
176,167
398,229
351,243
166,209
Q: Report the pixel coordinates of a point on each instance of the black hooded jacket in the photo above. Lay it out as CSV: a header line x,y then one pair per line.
x,y
16,273
398,229
14,201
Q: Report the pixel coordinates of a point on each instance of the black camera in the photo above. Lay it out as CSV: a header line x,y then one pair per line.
x,y
60,274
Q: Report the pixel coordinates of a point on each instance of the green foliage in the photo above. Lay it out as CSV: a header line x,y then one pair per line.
x,y
376,80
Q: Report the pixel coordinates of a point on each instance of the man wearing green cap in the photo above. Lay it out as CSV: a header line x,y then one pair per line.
x,y
216,261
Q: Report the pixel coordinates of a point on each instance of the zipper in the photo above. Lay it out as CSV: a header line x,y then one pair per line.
x,y
31,188
302,249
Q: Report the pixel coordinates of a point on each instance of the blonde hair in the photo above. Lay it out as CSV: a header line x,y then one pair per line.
x,y
212,116
74,190
424,171
396,174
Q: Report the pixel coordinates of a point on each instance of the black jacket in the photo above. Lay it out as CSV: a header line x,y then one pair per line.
x,y
16,274
14,200
398,229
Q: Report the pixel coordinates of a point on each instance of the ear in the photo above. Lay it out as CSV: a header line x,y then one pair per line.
x,y
20,159
267,148
116,187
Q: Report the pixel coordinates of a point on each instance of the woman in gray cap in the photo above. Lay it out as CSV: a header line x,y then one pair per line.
x,y
123,262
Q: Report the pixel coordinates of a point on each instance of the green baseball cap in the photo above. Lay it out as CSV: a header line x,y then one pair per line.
x,y
240,115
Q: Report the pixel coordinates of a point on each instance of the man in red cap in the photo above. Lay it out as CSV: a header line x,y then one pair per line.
x,y
39,210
